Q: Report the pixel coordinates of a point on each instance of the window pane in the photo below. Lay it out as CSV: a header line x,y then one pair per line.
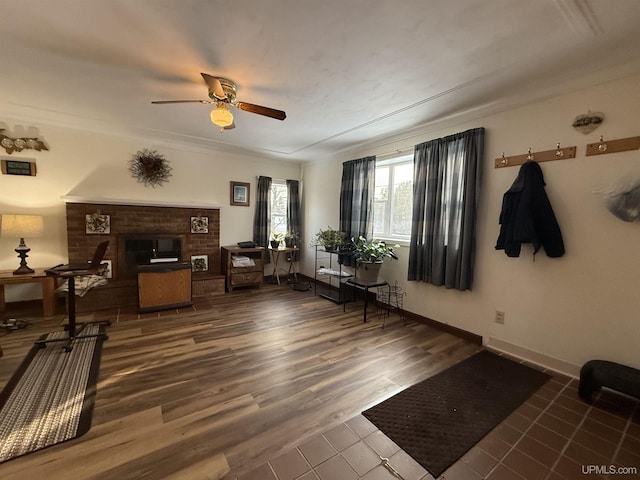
x,y
382,184
394,198
402,199
379,218
278,208
401,213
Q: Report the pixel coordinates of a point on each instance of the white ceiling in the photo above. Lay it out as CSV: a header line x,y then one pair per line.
x,y
345,71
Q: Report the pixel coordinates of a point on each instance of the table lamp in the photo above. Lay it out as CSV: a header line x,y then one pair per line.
x,y
21,226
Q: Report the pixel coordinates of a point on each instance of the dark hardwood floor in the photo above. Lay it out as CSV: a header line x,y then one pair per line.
x,y
229,383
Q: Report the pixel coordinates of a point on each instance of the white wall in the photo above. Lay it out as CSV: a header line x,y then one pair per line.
x,y
94,166
559,312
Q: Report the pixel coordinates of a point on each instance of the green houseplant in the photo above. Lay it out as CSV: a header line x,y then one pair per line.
x,y
291,238
276,238
369,255
330,239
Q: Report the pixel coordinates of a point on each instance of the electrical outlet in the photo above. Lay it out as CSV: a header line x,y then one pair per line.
x,y
500,317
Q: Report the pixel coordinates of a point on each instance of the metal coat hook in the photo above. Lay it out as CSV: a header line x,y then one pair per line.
x,y
558,153
613,146
603,146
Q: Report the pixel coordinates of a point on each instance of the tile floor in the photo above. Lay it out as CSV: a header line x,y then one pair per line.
x,y
552,436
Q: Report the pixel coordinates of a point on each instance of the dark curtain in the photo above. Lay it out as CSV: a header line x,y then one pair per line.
x,y
293,207
293,213
356,197
262,216
446,187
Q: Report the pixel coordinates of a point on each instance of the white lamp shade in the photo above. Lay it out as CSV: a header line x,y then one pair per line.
x,y
221,116
20,226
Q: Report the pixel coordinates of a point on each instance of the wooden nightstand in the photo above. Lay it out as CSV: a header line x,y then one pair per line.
x,y
242,276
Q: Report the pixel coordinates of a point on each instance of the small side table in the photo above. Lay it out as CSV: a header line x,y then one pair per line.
x,y
276,253
365,286
39,276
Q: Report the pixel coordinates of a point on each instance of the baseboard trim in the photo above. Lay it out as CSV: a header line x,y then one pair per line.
x,y
458,332
537,358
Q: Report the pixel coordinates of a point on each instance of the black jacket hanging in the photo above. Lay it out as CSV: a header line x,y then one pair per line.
x,y
527,216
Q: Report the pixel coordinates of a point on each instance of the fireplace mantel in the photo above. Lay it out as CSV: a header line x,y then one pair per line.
x,y
136,218
144,203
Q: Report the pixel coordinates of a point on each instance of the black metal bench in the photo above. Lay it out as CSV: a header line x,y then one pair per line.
x,y
596,374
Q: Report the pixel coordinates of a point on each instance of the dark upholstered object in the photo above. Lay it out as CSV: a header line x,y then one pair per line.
x,y
600,373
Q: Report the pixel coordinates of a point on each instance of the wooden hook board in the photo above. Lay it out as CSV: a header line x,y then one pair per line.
x,y
545,156
613,146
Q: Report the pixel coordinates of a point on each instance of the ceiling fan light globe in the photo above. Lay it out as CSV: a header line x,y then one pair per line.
x,y
221,116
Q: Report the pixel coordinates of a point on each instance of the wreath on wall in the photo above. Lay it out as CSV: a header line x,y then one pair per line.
x,y
149,167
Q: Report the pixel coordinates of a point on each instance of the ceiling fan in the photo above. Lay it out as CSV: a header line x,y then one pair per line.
x,y
222,92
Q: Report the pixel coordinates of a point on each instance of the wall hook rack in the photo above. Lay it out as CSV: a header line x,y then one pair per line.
x,y
613,146
558,153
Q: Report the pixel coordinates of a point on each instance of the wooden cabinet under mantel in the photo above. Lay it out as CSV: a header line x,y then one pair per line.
x,y
164,286
241,276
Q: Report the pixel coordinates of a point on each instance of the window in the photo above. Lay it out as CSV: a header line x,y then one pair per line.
x,y
393,200
279,197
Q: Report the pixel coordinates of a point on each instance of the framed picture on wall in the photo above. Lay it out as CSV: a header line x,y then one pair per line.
x,y
240,193
199,224
109,272
199,263
97,223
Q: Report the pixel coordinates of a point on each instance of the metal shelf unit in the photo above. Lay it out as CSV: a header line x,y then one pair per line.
x,y
330,276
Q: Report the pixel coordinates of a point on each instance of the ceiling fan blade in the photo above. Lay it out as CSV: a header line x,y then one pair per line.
x,y
181,101
214,86
230,127
260,110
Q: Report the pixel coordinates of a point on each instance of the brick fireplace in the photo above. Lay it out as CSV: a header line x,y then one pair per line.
x,y
131,221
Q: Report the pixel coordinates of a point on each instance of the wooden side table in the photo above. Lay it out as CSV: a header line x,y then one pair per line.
x,y
240,276
48,284
276,254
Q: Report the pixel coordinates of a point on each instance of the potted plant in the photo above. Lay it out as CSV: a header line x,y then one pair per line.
x,y
290,238
330,239
369,255
276,238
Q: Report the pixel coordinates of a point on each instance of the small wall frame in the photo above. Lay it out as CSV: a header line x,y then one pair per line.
x,y
199,263
96,223
199,224
19,167
240,193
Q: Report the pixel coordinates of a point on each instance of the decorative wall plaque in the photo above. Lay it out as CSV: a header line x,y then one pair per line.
x,y
97,223
11,144
588,122
199,224
199,263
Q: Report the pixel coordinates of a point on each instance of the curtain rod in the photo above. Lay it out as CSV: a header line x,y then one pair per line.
x,y
278,179
395,152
